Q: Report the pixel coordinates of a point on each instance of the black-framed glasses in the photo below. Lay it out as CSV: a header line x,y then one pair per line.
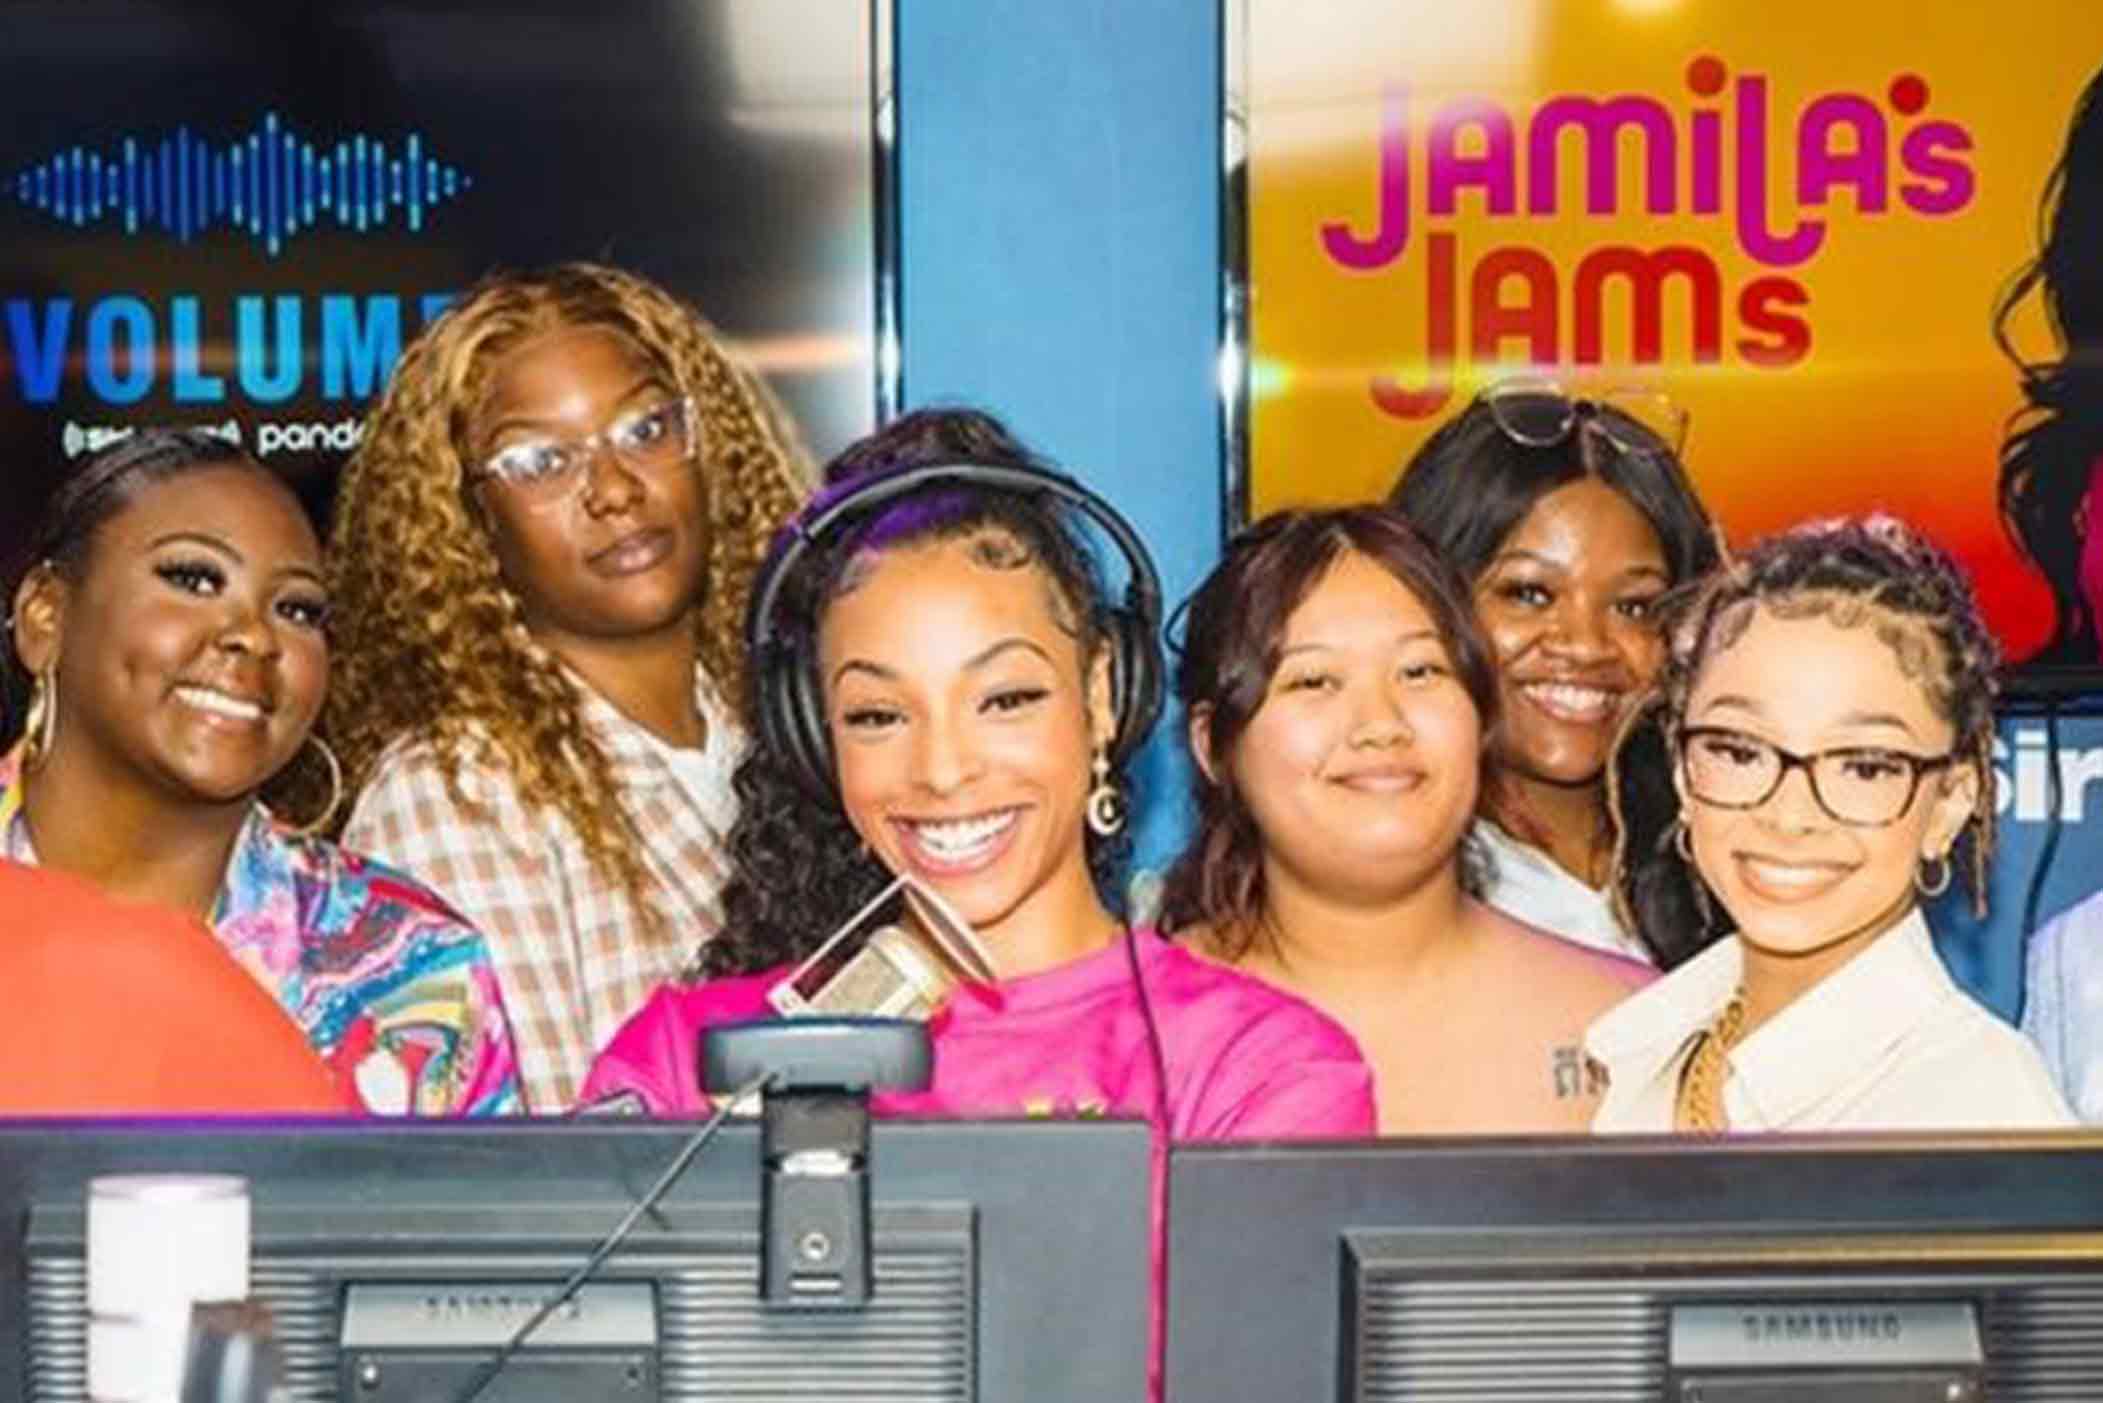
x,y
1862,786
544,471
1540,413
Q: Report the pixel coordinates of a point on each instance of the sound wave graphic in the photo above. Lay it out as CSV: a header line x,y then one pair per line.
x,y
270,184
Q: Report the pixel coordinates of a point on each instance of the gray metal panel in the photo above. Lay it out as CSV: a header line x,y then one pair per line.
x,y
1058,1211
1530,1339
1259,1264
915,1342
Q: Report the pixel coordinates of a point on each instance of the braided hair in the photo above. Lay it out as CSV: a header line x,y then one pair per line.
x,y
1875,572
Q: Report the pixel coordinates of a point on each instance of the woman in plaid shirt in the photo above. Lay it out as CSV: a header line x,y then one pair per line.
x,y
540,557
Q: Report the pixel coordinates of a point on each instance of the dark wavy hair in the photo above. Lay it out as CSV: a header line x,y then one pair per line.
x,y
108,482
799,869
1233,633
1471,483
2053,442
1875,572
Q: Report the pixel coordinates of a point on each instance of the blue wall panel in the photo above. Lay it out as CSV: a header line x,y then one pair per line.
x,y
1059,252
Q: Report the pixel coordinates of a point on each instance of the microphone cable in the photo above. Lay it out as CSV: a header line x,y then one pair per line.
x,y
1153,1030
1157,1231
486,1375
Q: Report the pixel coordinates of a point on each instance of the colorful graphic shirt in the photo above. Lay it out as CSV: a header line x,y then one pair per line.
x,y
392,988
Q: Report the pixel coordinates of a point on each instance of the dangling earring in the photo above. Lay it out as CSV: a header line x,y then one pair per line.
x,y
321,820
1683,841
40,721
1939,883
1106,807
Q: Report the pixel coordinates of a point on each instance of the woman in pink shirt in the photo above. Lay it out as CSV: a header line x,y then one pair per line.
x,y
946,692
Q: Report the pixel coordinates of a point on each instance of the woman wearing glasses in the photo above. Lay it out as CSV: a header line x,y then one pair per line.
x,y
1568,518
541,555
1829,700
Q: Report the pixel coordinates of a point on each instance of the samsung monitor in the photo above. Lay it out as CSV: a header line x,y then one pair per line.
x,y
1836,1270
1010,1260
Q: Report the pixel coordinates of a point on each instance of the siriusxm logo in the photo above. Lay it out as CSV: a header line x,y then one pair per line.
x,y
270,184
2023,779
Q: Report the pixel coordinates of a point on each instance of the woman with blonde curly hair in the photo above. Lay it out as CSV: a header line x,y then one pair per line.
x,y
540,557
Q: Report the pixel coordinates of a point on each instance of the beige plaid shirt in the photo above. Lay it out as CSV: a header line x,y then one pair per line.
x,y
572,953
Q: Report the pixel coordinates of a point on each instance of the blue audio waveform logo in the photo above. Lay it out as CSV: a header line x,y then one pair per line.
x,y
271,184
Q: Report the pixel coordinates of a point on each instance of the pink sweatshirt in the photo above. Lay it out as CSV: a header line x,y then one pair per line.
x,y
1246,1061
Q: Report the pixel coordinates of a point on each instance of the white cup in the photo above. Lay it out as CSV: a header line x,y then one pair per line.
x,y
158,1244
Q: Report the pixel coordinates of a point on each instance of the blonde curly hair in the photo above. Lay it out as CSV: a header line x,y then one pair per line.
x,y
430,641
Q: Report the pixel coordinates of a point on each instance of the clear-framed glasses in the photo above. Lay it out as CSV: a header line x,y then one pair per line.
x,y
1862,786
547,470
1541,414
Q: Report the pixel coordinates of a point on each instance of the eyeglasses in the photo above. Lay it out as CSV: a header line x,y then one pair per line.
x,y
548,470
1541,414
1862,786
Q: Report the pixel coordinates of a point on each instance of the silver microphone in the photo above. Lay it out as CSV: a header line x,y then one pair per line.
x,y
896,972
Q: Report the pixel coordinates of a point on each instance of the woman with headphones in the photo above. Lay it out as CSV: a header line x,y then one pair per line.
x,y
944,693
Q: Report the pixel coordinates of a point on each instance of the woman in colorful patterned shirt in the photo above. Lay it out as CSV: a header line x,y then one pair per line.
x,y
540,558
169,639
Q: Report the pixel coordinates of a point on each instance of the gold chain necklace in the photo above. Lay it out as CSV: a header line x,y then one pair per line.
x,y
1699,1107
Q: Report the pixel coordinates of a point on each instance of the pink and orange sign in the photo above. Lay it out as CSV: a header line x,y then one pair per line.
x,y
1795,218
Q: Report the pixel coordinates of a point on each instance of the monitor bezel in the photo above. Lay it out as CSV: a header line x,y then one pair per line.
x,y
1060,1209
1276,1220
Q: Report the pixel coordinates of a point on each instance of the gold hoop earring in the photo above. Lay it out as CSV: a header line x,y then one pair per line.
x,y
1683,841
1939,883
1106,807
40,720
321,820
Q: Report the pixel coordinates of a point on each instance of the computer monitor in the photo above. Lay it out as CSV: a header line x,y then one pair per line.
x,y
1010,1260
1863,1270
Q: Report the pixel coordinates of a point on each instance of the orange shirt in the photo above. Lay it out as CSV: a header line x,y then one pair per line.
x,y
113,1009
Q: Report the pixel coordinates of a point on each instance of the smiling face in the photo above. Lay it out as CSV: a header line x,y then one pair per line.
x,y
191,658
963,723
1360,767
1796,880
626,553
1567,603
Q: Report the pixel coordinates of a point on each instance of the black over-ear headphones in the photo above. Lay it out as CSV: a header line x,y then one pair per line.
x,y
789,707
